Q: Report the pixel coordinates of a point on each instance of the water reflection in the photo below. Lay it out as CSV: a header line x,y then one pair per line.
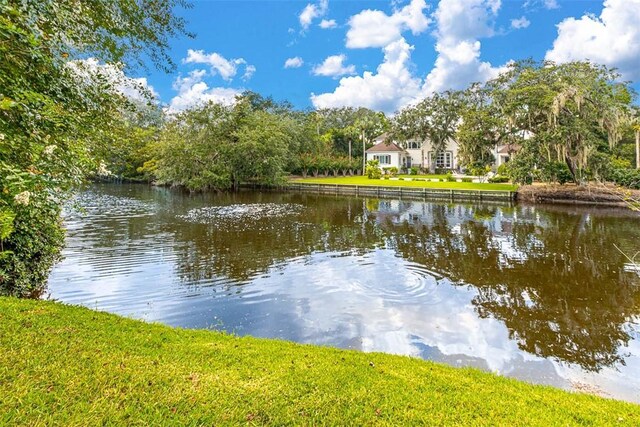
x,y
554,279
539,293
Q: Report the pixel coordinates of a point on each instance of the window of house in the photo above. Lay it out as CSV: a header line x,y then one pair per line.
x,y
444,159
384,159
414,145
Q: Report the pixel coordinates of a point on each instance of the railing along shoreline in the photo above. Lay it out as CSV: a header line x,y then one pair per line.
x,y
394,191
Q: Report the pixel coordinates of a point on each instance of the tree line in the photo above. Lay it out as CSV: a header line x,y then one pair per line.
x,y
256,139
562,122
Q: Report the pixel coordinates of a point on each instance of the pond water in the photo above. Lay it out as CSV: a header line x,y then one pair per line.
x,y
539,293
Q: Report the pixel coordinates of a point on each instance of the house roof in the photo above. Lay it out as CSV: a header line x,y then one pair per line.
x,y
508,149
385,147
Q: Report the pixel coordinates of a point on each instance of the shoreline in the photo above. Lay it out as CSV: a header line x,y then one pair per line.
x,y
571,194
568,194
553,194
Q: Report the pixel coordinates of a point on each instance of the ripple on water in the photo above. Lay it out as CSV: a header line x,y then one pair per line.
x,y
97,205
368,277
408,283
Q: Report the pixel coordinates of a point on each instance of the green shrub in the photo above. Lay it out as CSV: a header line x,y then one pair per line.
x,y
450,177
556,172
521,169
498,179
479,170
618,163
31,249
373,170
502,169
629,178
400,179
393,171
413,170
467,179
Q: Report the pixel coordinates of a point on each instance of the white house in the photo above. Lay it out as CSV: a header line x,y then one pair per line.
x,y
417,153
422,154
504,153
389,155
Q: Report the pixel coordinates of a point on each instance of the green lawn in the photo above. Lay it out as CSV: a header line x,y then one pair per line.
x,y
64,365
427,176
363,180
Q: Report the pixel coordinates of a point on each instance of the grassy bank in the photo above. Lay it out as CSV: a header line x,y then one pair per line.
x,y
67,365
364,181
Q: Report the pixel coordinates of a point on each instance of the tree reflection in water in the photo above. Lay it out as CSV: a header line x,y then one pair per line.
x,y
551,274
553,277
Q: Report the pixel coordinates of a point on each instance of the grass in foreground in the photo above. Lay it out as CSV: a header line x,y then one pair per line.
x,y
65,365
363,180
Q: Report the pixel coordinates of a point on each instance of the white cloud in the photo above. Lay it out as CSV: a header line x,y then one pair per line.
x,y
390,88
535,4
547,4
295,62
333,66
226,68
137,89
248,72
328,23
374,28
192,91
520,23
311,12
613,38
460,24
466,19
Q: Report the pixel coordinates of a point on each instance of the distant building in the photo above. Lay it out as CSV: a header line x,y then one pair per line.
x,y
416,154
389,154
421,154
504,153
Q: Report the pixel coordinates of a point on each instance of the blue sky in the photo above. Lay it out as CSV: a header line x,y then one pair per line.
x,y
383,54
